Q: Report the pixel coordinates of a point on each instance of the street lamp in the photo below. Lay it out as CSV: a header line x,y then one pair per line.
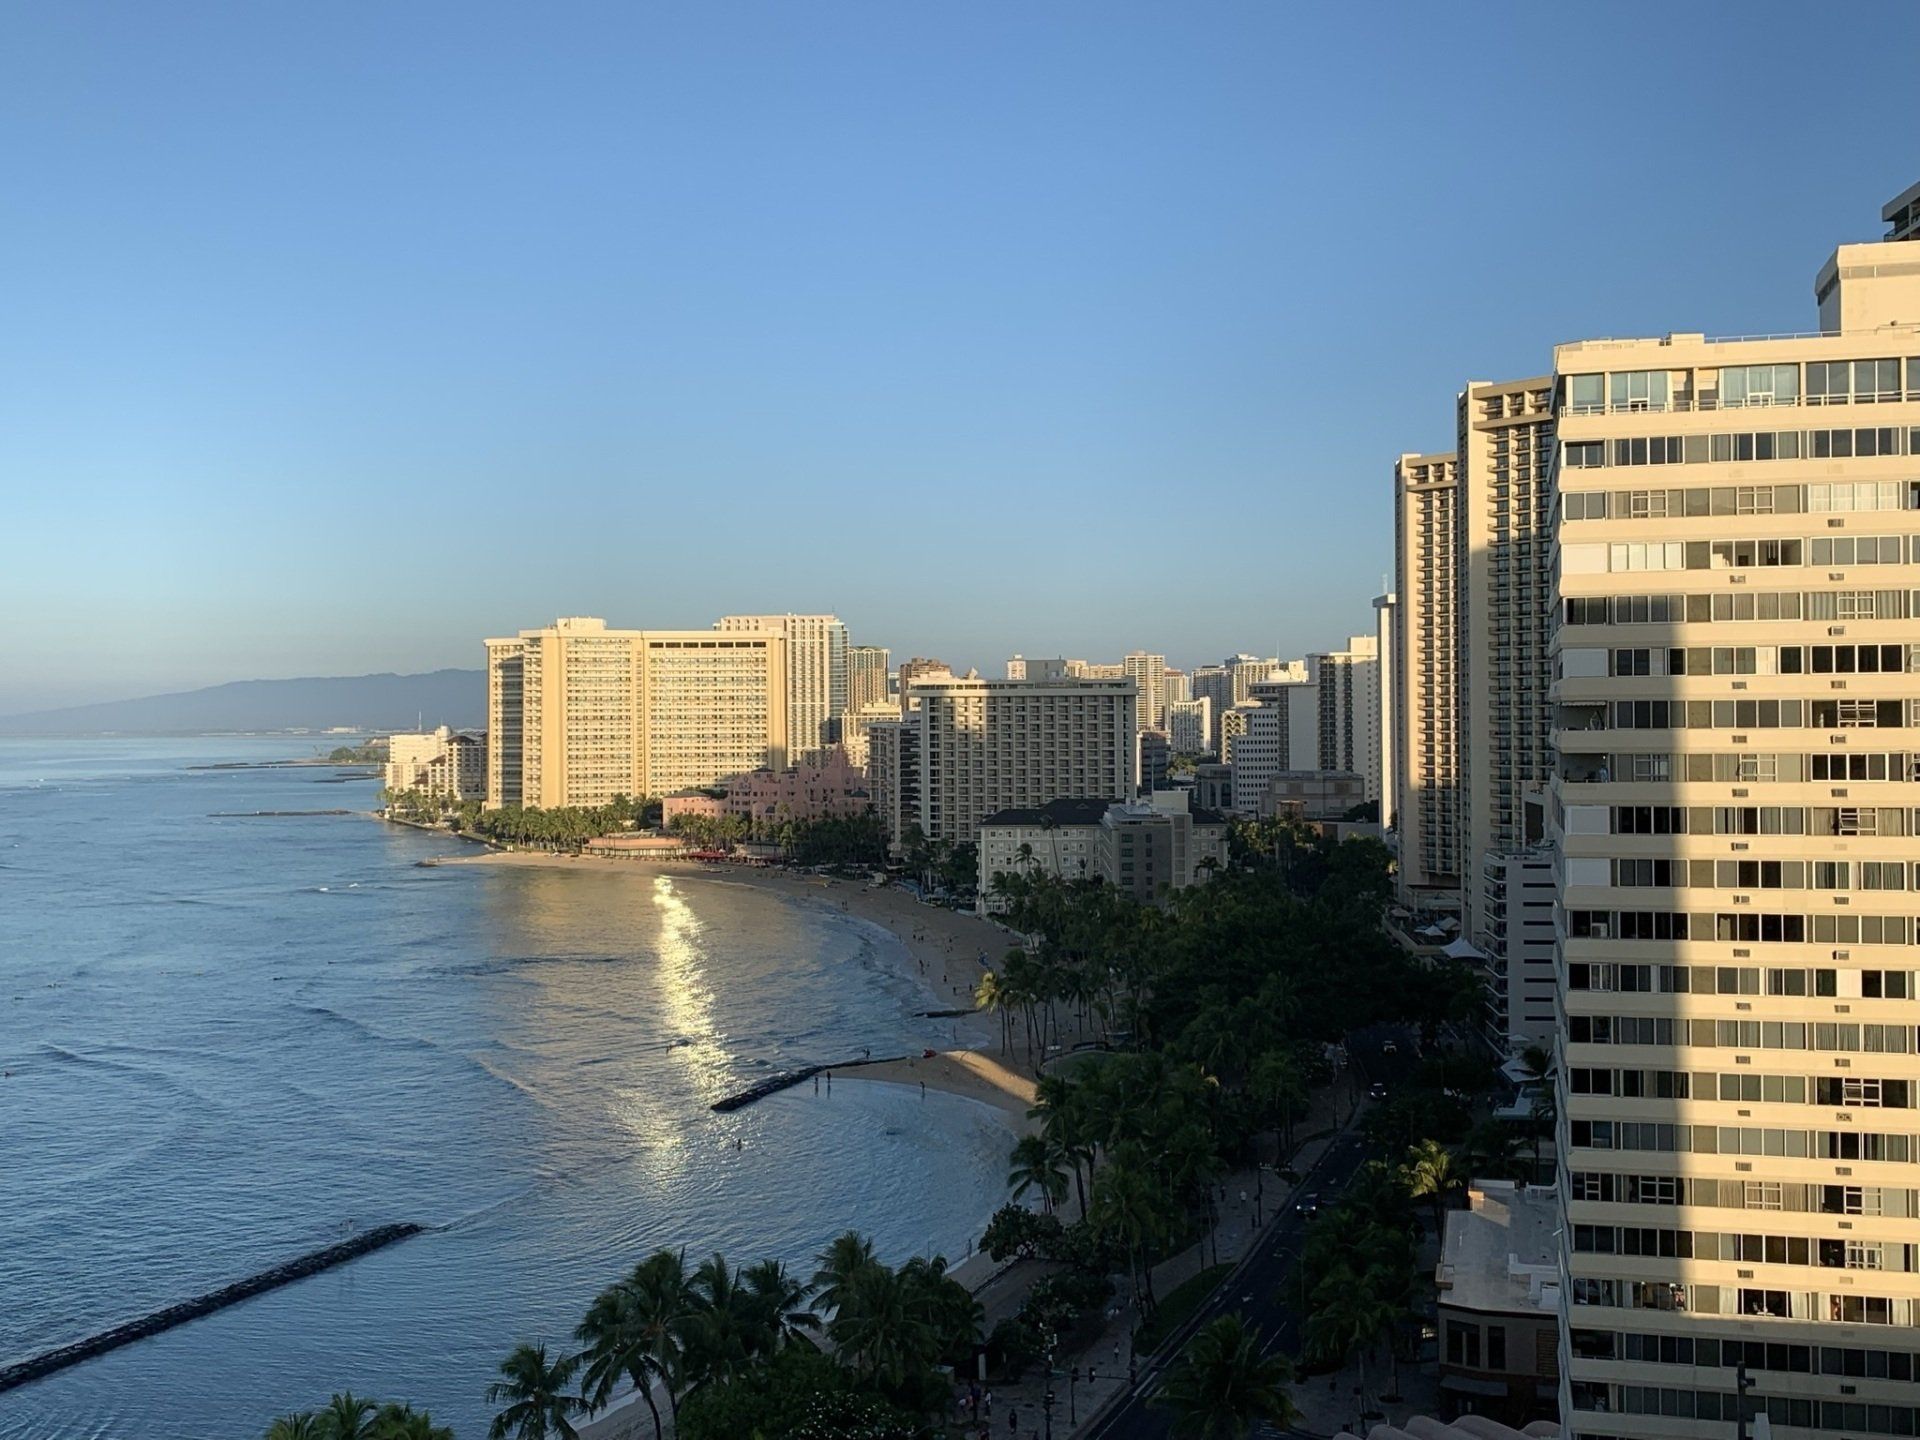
x,y
1046,1405
1073,1379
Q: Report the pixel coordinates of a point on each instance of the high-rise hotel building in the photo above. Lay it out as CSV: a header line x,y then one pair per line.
x,y
818,686
1738,789
1426,726
587,713
968,747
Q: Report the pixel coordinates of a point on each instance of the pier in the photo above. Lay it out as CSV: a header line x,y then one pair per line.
x,y
48,1362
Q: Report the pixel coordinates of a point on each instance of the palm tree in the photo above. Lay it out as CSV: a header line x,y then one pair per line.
x,y
663,1305
847,1256
304,1426
537,1405
347,1417
1221,1386
1037,1166
1430,1173
778,1302
991,996
618,1347
403,1422
1345,1321
722,1335
884,1324
1130,1208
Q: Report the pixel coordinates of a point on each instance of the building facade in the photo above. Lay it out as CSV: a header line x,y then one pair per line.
x,y
592,713
1426,724
916,668
506,708
988,745
439,762
817,674
1386,618
1346,687
1149,672
1498,1307
867,667
1190,726
1738,671
1505,436
1282,733
1147,848
823,787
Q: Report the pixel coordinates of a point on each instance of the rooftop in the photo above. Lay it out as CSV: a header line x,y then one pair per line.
x,y
1500,1254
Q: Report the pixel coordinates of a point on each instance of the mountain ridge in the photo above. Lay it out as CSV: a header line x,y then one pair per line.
x,y
379,702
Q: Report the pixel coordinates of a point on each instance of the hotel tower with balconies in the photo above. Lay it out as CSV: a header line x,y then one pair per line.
x,y
1737,716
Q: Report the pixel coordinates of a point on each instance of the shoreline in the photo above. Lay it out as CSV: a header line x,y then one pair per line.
x,y
949,949
939,949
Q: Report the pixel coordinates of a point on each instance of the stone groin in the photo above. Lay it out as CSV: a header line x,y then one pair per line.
x,y
46,1363
787,1079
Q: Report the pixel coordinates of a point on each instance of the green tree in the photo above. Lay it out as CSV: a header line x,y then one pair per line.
x,y
1430,1174
348,1417
1221,1386
1038,1166
533,1394
302,1426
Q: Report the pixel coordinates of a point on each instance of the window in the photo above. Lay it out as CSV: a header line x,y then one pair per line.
x,y
1759,385
1583,455
1638,390
1586,392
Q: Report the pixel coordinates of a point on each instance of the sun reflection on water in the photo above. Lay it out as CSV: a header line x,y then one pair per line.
x,y
684,991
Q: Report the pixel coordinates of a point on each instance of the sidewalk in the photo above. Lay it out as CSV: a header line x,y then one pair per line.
x,y
1102,1363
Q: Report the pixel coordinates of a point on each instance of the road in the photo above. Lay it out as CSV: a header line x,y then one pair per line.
x,y
1266,1292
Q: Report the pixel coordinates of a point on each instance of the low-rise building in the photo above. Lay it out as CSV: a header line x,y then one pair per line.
x,y
1499,1303
819,788
691,804
1146,847
1311,795
1213,787
438,762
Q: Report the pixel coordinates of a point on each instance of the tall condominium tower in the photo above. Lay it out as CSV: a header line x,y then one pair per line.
x,y
506,708
1386,620
594,713
1426,726
987,745
1347,698
1214,684
866,676
1282,732
1189,723
1149,672
1504,552
817,682
1738,669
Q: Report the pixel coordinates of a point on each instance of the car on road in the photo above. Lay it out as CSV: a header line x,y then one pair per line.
x,y
1307,1206
1388,1047
1377,1090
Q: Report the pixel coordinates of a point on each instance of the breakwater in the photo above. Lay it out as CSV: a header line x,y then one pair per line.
x,y
47,1362
787,1079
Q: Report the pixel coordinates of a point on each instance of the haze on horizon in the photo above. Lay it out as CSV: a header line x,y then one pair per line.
x,y
338,339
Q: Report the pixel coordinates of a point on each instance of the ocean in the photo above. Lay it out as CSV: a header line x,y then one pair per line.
x,y
230,1039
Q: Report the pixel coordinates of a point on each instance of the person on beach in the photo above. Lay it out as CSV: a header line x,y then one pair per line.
x,y
987,1402
1013,1421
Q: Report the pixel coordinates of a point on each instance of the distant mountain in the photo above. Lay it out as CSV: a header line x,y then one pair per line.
x,y
362,702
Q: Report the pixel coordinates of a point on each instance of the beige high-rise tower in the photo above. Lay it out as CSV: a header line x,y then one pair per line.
x,y
1738,693
1426,728
817,679
587,713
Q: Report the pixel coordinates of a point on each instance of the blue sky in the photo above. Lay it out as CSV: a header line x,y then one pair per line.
x,y
1063,328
